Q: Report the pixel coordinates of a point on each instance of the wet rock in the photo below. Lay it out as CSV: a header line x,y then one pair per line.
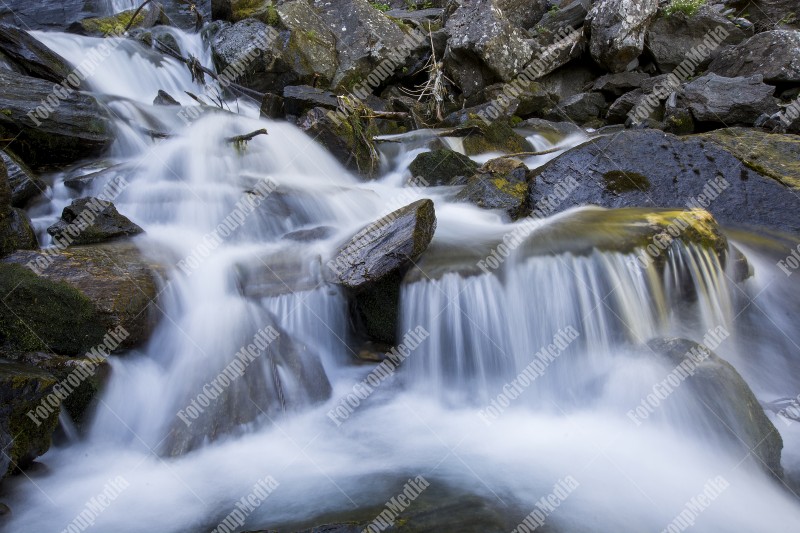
x,y
773,155
22,389
348,137
371,265
164,98
297,99
619,84
552,131
267,71
16,232
312,234
724,401
31,56
484,47
116,24
442,167
649,168
76,129
671,38
581,108
775,55
730,101
24,184
69,299
496,136
92,220
618,30
499,184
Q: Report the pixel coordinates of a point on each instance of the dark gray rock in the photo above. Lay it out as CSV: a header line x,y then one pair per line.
x,y
25,185
164,98
442,167
16,232
724,402
649,168
775,55
371,265
619,84
76,129
618,30
580,108
619,111
499,184
671,38
729,101
33,57
94,221
297,99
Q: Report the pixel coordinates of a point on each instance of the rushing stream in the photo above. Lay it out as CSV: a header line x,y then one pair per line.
x,y
432,417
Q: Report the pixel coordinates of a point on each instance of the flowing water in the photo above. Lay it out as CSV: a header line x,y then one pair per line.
x,y
432,416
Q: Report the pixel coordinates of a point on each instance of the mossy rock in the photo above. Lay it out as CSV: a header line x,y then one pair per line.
x,y
771,154
498,136
44,315
22,388
16,232
499,184
115,24
442,167
263,10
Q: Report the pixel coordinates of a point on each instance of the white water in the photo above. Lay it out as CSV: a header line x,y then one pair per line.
x,y
484,330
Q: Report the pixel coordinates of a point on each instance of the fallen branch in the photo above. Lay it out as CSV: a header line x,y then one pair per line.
x,y
239,139
534,154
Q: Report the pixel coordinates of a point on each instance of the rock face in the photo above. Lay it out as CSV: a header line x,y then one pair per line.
x,y
34,58
76,129
725,402
349,138
442,167
618,30
629,169
775,55
22,389
484,47
671,38
499,184
730,101
372,264
770,154
107,223
80,294
24,184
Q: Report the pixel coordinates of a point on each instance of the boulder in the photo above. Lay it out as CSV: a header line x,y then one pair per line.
x,y
580,108
349,138
66,301
297,99
724,402
496,136
672,38
769,154
499,184
484,47
649,168
24,184
31,56
371,265
92,220
775,55
729,101
76,129
22,389
618,29
620,83
366,38
442,167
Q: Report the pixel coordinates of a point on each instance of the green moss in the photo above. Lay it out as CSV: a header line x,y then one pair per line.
x,y
43,315
498,136
687,7
442,167
114,24
380,6
620,182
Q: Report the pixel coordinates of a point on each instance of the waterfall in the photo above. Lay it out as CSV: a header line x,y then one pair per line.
x,y
584,318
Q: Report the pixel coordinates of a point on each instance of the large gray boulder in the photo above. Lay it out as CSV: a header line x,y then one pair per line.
x,y
724,402
671,38
729,101
371,265
775,55
33,57
618,31
650,168
78,128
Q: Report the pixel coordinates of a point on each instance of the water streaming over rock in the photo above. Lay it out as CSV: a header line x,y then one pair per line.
x,y
591,312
